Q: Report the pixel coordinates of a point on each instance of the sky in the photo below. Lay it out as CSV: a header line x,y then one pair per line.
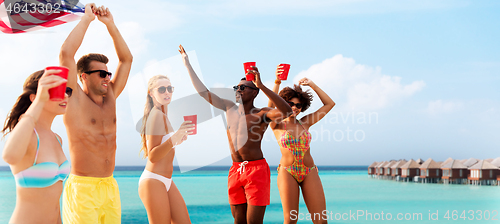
x,y
411,79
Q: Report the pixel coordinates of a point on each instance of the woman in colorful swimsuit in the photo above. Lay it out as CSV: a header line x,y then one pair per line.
x,y
160,196
297,169
34,152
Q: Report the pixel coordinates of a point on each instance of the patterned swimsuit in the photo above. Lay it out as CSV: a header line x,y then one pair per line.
x,y
298,147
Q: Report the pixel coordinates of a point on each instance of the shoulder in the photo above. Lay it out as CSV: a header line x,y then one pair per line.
x,y
154,123
155,115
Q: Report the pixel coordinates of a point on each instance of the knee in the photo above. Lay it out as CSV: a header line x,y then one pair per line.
x,y
290,217
252,220
240,219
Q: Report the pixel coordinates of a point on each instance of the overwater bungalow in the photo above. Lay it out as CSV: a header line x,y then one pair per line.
x,y
409,170
371,169
496,162
470,162
483,173
446,161
396,169
454,172
430,172
379,168
387,169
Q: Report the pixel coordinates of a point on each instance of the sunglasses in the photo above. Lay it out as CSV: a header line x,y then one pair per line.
x,y
298,105
102,73
162,89
69,91
242,87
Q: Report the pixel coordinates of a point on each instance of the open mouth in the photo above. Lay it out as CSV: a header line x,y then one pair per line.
x,y
63,104
105,85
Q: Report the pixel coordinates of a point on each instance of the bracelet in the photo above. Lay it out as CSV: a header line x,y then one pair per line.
x,y
277,81
28,115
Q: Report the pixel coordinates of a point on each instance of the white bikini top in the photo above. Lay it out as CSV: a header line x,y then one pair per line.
x,y
166,137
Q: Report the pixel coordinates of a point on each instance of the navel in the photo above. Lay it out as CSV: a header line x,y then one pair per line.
x,y
93,121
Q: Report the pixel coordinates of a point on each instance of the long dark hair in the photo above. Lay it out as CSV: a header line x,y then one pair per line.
x,y
23,102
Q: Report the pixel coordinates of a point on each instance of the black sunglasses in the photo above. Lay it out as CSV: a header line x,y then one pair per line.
x,y
162,89
242,87
298,105
102,73
69,91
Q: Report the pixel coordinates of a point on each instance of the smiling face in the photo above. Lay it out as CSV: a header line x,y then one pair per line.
x,y
248,94
93,81
54,107
158,97
295,109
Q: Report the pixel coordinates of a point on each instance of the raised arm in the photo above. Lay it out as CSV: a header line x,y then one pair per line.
x,y
283,109
73,42
277,83
21,135
124,55
210,97
328,104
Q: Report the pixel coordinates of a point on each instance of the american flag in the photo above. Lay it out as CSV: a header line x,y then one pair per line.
x,y
20,16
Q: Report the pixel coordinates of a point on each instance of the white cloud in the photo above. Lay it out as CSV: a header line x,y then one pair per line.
x,y
358,87
441,107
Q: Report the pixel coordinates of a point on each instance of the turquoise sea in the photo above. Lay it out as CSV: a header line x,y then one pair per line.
x,y
349,193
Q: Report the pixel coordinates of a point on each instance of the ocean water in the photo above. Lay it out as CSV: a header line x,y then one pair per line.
x,y
352,197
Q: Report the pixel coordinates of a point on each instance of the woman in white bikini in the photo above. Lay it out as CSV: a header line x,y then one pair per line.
x,y
160,196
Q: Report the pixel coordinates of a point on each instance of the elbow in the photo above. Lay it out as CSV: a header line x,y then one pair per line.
x,y
64,54
10,159
152,159
127,59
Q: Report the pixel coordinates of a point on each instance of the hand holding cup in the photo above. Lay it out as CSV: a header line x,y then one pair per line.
x,y
51,84
255,71
181,135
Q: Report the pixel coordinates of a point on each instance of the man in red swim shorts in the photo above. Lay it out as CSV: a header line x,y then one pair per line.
x,y
249,177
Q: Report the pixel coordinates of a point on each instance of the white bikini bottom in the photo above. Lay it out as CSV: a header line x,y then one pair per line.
x,y
147,174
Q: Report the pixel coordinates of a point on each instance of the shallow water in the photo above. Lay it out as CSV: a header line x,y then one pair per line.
x,y
349,193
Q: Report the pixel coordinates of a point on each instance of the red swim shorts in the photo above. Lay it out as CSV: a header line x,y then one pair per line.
x,y
249,182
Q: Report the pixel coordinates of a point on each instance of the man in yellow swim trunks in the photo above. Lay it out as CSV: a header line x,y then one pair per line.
x,y
91,193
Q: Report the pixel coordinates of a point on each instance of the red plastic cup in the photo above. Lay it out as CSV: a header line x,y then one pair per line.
x,y
284,75
193,119
57,93
246,66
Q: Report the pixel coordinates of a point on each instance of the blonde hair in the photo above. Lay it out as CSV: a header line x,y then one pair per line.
x,y
147,110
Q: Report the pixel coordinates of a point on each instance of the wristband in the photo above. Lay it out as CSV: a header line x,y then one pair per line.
x,y
277,81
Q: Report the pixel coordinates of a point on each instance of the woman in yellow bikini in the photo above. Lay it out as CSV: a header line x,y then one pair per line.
x,y
297,169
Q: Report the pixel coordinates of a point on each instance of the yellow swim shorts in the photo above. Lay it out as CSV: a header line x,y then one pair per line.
x,y
91,200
